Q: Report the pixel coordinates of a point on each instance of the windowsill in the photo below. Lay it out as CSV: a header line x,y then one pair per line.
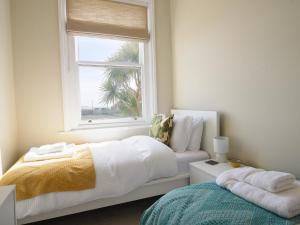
x,y
106,127
100,134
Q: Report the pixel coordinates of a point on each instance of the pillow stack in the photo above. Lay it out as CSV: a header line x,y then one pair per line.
x,y
185,134
181,133
196,134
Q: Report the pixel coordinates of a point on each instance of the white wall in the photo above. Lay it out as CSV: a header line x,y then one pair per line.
x,y
164,56
242,58
38,78
8,124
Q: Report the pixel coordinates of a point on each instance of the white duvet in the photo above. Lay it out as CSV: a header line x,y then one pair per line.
x,y
121,167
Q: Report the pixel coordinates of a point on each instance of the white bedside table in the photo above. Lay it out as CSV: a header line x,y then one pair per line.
x,y
202,172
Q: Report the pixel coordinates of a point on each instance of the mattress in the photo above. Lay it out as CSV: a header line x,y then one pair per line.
x,y
184,158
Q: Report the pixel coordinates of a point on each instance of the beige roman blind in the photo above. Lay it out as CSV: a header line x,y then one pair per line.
x,y
107,17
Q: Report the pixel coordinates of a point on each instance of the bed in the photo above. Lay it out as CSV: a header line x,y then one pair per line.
x,y
151,188
206,204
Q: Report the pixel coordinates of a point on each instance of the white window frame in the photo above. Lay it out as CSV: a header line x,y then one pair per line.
x,y
70,76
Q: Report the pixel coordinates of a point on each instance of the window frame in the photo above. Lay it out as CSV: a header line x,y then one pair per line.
x,y
140,65
70,76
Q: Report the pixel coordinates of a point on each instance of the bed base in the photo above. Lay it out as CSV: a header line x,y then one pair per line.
x,y
151,189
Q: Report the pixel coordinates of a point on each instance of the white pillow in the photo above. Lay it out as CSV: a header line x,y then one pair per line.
x,y
181,133
196,135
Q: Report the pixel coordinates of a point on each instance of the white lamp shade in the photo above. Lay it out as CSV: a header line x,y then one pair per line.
x,y
221,144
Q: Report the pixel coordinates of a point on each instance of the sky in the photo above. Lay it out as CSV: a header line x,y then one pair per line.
x,y
92,49
95,49
90,80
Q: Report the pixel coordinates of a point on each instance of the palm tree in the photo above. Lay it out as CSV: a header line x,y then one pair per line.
x,y
122,87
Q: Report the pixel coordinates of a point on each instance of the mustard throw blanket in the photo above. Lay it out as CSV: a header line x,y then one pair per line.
x,y
54,175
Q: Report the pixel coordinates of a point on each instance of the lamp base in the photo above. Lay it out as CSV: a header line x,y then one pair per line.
x,y
221,158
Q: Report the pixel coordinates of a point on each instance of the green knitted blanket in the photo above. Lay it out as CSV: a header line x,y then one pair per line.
x,y
208,204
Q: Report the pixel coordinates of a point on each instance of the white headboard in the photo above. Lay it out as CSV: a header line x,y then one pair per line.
x,y
211,126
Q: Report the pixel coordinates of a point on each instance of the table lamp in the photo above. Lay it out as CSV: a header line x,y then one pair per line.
x,y
221,146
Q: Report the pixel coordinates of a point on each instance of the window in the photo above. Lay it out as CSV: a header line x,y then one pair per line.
x,y
108,78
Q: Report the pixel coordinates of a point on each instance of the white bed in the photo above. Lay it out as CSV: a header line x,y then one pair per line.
x,y
154,187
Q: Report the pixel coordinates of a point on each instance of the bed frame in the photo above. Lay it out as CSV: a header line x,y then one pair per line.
x,y
150,189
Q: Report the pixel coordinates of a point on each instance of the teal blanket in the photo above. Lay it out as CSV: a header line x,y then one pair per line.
x,y
208,204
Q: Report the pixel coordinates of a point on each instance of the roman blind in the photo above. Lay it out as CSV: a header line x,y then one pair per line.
x,y
107,17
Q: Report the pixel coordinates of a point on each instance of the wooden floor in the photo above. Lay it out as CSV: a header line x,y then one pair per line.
x,y
124,214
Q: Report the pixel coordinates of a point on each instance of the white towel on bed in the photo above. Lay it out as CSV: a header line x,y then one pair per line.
x,y
46,149
239,174
285,203
271,181
32,156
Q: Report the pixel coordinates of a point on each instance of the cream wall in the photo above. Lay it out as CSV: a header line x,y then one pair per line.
x,y
8,124
163,56
242,58
38,79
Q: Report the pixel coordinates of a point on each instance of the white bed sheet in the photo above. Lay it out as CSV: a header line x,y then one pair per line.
x,y
121,166
184,158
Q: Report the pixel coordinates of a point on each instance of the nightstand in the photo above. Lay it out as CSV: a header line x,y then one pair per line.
x,y
202,172
7,205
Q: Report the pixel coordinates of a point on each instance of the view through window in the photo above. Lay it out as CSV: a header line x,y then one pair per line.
x,y
110,79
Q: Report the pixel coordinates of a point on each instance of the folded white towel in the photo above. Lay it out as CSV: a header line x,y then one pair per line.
x,y
285,203
238,174
46,149
272,181
32,156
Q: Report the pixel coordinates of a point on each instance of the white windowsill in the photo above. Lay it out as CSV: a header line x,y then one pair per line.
x,y
100,134
106,127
